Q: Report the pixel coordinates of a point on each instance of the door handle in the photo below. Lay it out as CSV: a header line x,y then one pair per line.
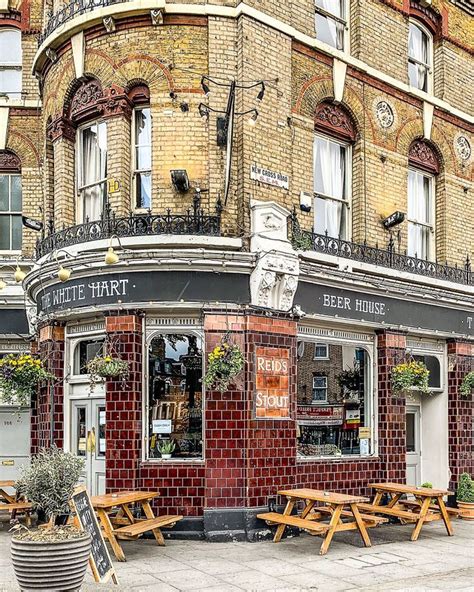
x,y
90,445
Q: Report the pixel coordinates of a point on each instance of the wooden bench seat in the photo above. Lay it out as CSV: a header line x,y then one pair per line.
x,y
346,513
15,507
276,518
145,525
397,512
409,504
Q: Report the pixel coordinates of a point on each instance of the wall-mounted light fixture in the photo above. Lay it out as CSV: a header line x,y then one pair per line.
x,y
180,180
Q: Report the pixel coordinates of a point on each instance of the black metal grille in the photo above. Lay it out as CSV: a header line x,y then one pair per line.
x,y
192,222
69,11
310,241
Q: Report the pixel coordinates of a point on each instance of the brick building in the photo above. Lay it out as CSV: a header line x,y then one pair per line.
x,y
334,243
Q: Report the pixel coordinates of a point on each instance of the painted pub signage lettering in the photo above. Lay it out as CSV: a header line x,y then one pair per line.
x,y
272,398
355,304
78,292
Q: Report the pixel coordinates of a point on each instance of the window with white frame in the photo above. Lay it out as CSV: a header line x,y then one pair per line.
x,y
142,158
10,63
10,212
420,57
331,192
320,389
84,352
321,351
92,171
335,401
420,215
175,396
330,22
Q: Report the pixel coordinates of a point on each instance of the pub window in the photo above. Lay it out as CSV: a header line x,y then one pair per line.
x,y
10,63
420,215
175,395
434,366
92,169
335,407
10,210
330,22
84,352
320,351
420,57
142,158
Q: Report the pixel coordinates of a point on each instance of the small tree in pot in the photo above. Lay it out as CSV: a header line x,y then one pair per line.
x,y
465,496
55,557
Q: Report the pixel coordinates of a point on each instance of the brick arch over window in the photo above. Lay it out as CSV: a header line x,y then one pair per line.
x,y
9,162
422,155
333,119
426,15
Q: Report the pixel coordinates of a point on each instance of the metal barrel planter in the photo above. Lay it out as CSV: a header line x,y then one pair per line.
x,y
59,565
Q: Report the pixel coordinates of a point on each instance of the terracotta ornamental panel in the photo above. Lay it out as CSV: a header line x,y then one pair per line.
x,y
272,398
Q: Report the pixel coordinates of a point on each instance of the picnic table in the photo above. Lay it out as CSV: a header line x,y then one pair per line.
x,y
124,525
333,507
428,505
11,502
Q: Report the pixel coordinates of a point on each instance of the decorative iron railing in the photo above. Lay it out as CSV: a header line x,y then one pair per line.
x,y
310,241
194,221
70,11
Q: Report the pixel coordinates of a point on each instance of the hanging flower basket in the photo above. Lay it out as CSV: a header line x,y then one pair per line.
x,y
20,375
102,367
410,376
467,384
224,363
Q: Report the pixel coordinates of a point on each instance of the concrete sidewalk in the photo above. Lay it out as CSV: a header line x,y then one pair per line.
x,y
434,562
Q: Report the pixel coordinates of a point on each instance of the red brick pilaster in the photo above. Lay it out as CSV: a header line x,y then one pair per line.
x,y
391,347
48,408
460,411
123,404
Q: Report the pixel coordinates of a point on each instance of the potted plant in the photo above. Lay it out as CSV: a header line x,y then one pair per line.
x,y
408,376
20,374
224,363
465,496
467,384
54,557
106,366
166,448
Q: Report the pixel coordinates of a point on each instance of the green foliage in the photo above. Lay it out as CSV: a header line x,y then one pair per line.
x,y
166,446
410,375
427,484
102,367
20,375
302,241
467,384
224,363
465,490
49,481
349,379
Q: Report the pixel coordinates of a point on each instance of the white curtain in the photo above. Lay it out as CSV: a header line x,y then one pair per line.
x,y
418,49
329,176
94,171
327,29
419,211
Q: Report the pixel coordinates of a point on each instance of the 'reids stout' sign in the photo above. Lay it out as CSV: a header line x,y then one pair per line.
x,y
272,397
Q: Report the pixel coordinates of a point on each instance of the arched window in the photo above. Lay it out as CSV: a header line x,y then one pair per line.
x,y
141,149
10,63
423,167
10,202
332,160
420,56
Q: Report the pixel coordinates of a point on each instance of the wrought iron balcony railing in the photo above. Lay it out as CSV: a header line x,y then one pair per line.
x,y
310,241
70,11
194,221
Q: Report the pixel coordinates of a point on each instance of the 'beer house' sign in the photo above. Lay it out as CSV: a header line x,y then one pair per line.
x,y
272,398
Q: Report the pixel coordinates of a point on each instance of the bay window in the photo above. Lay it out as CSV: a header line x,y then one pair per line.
x,y
10,63
142,158
175,395
92,171
420,215
420,50
335,406
10,212
331,204
330,22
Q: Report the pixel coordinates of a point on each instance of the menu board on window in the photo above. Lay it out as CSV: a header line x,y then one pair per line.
x,y
311,415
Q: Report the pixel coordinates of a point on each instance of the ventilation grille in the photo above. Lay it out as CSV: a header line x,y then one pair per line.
x,y
85,327
425,345
335,334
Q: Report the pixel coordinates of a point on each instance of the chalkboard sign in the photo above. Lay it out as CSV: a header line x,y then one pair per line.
x,y
100,561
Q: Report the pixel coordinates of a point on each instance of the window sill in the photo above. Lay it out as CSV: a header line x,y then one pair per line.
x,y
172,461
321,459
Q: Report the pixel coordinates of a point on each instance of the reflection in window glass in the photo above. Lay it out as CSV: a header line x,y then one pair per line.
x,y
10,63
142,171
10,212
175,395
86,351
334,401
